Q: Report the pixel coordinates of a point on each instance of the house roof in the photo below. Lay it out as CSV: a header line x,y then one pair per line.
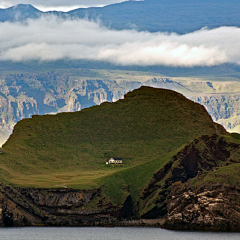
x,y
117,158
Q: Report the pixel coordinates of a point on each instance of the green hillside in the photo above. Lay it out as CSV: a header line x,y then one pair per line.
x,y
70,149
53,171
42,91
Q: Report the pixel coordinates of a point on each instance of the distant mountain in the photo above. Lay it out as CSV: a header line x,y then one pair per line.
x,y
149,15
19,13
23,94
166,15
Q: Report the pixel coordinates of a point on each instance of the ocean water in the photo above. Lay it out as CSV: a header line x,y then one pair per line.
x,y
116,233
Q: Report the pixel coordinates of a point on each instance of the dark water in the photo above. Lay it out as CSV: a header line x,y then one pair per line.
x,y
91,233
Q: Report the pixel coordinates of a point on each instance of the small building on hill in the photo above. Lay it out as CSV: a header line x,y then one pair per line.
x,y
115,161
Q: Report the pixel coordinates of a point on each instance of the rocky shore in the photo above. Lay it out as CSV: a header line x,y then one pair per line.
x,y
215,208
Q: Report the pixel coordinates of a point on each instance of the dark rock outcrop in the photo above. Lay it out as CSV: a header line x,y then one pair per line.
x,y
55,207
202,155
214,208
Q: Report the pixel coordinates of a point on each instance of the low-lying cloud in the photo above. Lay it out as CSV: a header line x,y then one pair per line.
x,y
51,38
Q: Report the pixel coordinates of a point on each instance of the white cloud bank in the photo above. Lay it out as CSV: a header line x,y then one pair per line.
x,y
51,38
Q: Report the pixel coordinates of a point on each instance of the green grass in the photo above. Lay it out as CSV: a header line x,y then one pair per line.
x,y
227,172
70,149
224,175
131,181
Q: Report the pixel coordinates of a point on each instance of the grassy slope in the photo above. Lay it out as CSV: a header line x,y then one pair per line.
x,y
71,148
226,171
229,172
132,180
64,90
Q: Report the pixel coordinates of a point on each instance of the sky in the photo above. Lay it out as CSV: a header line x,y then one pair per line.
x,y
59,5
50,38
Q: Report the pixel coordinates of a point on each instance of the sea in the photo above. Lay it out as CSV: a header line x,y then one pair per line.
x,y
113,233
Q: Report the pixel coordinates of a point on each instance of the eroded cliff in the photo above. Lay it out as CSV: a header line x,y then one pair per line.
x,y
56,207
194,190
215,207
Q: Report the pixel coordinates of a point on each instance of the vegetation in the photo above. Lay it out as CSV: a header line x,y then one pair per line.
x,y
147,129
70,149
42,89
226,172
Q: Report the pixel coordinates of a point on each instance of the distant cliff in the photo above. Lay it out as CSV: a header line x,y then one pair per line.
x,y
25,94
179,166
224,109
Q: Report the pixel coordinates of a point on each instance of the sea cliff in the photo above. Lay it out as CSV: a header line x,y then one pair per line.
x,y
180,170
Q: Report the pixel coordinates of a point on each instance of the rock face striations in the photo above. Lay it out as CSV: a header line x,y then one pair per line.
x,y
202,155
55,207
213,208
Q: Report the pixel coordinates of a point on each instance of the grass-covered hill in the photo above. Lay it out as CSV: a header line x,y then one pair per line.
x,y
45,90
71,148
175,159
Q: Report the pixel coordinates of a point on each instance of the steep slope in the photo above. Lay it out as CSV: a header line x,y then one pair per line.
x,y
202,156
210,200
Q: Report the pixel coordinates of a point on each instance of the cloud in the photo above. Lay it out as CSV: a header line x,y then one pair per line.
x,y
51,38
59,5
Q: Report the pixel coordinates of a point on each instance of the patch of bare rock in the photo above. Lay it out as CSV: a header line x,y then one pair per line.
x,y
216,208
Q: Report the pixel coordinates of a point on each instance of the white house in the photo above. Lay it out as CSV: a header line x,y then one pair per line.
x,y
115,161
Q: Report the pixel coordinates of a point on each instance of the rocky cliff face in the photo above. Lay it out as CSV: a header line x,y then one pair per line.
x,y
56,207
25,94
177,196
213,208
202,155
224,109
